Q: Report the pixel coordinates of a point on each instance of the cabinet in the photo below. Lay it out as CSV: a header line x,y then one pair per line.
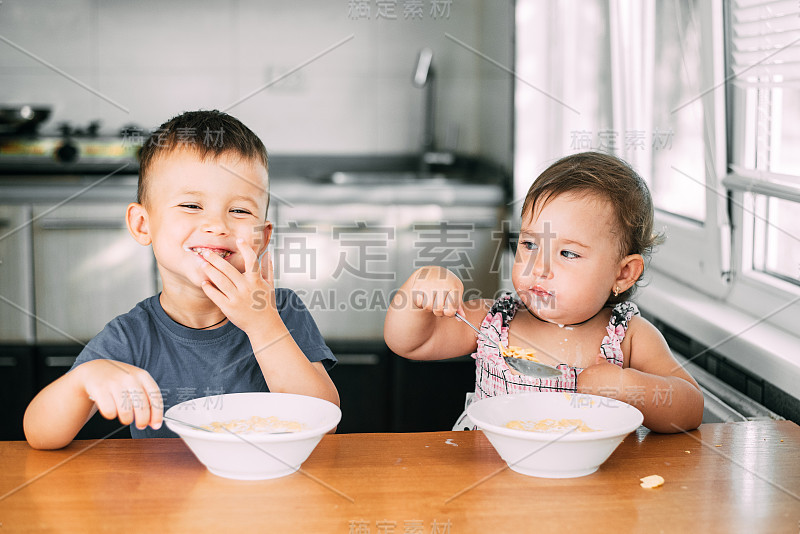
x,y
16,388
340,259
87,270
16,281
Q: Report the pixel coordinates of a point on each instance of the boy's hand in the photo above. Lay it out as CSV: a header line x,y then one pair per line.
x,y
246,297
437,290
122,391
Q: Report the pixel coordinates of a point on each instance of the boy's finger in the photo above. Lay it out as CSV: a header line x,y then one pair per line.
x,y
124,407
249,256
105,404
222,265
156,402
220,279
216,296
267,269
140,403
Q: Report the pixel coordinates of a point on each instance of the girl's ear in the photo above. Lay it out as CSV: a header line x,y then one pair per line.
x,y
630,269
138,223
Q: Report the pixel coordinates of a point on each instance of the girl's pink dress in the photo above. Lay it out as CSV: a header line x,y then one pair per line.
x,y
493,376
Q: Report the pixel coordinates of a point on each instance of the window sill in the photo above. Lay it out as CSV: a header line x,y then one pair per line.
x,y
764,350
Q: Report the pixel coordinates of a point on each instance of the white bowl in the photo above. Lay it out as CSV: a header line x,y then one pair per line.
x,y
253,456
564,454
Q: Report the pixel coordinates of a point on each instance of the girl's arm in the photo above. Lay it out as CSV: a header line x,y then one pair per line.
x,y
421,324
654,382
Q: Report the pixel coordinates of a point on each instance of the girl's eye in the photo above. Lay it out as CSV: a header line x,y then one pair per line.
x,y
569,254
240,210
190,206
529,245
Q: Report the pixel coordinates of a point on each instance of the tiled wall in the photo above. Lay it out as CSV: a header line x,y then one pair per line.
x,y
143,61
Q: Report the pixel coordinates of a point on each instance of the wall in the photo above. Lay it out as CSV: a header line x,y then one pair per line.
x,y
141,62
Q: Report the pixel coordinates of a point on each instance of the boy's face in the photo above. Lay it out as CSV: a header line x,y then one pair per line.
x,y
194,205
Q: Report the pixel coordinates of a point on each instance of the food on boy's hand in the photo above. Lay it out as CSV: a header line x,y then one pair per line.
x,y
550,425
652,481
521,353
255,425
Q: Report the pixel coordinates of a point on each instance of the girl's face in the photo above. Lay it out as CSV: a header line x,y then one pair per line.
x,y
568,259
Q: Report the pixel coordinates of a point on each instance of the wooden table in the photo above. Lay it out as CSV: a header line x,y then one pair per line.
x,y
732,477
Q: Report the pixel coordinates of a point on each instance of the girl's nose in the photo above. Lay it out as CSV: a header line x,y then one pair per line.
x,y
541,264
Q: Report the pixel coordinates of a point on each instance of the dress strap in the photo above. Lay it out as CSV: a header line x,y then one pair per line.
x,y
506,305
611,347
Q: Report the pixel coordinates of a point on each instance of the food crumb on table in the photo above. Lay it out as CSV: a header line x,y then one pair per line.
x,y
652,481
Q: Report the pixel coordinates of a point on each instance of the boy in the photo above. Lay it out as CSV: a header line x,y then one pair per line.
x,y
219,325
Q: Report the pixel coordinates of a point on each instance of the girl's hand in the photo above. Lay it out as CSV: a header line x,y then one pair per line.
x,y
601,378
437,290
122,391
246,298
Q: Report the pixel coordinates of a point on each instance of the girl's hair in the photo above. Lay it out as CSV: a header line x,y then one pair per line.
x,y
605,177
209,134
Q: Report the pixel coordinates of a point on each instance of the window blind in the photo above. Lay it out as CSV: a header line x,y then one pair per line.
x,y
765,42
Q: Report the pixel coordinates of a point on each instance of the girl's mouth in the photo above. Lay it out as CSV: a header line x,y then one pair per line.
x,y
541,293
200,250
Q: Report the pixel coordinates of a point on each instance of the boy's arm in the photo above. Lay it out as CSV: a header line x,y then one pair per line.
x,y
116,389
286,368
248,300
655,383
420,323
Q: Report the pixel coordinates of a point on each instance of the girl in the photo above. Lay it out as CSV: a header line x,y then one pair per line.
x,y
586,229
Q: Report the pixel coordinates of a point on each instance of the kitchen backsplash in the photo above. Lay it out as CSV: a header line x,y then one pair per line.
x,y
141,62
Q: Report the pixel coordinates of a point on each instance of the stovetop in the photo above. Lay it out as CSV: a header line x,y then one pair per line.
x,y
75,151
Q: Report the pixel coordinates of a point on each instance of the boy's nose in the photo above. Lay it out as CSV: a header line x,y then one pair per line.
x,y
214,224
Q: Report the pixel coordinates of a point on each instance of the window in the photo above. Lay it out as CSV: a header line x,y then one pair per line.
x,y
703,99
764,101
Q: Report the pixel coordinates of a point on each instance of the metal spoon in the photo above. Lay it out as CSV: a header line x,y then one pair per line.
x,y
526,367
190,425
184,423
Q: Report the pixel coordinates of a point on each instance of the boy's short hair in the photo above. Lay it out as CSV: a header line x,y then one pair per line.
x,y
609,178
207,134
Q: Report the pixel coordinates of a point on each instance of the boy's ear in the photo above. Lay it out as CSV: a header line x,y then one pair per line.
x,y
631,268
138,223
266,233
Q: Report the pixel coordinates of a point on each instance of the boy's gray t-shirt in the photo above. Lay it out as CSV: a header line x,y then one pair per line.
x,y
187,363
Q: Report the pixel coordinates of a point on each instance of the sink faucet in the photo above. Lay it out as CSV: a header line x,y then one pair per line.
x,y
424,78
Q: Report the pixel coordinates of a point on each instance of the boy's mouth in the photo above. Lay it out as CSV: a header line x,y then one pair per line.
x,y
200,250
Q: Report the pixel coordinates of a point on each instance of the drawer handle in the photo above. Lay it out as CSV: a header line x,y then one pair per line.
x,y
358,359
8,361
59,361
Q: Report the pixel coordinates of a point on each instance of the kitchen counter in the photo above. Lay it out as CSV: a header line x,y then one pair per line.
x,y
726,477
286,190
